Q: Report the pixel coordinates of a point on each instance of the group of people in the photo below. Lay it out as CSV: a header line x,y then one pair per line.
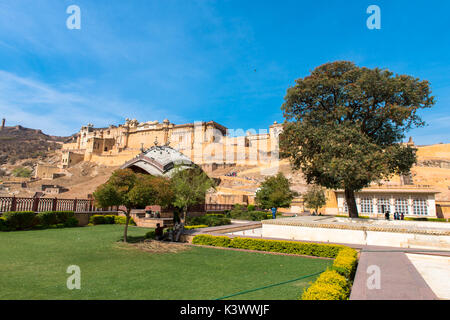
x,y
397,215
173,234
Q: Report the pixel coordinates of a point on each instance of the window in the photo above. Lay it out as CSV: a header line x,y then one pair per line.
x,y
383,205
420,207
366,205
401,206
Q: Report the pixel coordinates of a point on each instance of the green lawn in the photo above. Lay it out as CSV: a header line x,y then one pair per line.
x,y
33,266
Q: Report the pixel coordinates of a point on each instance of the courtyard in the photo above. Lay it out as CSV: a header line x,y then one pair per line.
x,y
34,264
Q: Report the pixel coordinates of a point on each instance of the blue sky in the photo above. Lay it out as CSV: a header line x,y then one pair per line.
x,y
227,61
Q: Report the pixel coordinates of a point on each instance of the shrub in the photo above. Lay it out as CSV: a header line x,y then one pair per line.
x,y
237,211
47,218
240,213
208,240
426,219
123,220
109,219
291,247
333,277
150,235
345,262
71,222
97,219
20,220
324,291
3,226
196,226
209,220
251,207
62,216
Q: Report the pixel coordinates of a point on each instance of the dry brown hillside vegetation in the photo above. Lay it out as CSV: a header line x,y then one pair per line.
x,y
18,143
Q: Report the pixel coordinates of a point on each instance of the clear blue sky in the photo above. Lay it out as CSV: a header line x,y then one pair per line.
x,y
185,60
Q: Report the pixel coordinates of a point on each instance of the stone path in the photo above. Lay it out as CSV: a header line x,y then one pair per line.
x,y
399,279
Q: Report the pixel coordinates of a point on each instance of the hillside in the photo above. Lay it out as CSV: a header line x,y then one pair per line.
x,y
18,143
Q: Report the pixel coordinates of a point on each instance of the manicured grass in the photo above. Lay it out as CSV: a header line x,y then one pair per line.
x,y
33,266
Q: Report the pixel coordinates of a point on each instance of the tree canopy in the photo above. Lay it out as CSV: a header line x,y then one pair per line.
x,y
190,187
344,125
275,192
133,191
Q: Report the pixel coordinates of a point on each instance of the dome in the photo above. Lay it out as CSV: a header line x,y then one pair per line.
x,y
158,161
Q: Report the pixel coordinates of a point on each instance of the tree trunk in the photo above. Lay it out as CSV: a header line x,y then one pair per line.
x,y
183,219
125,231
351,203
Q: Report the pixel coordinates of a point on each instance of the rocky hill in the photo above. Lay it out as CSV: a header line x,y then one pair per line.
x,y
18,143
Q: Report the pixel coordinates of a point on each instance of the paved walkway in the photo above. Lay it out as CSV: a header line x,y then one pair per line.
x,y
399,279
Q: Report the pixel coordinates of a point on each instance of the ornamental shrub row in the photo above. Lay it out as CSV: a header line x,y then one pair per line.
x,y
196,226
291,247
208,240
335,283
25,220
209,220
49,218
109,219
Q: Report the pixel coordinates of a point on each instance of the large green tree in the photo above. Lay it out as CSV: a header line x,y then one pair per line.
x,y
133,191
344,125
190,187
275,192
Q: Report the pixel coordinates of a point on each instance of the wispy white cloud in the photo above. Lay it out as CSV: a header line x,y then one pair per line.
x,y
35,104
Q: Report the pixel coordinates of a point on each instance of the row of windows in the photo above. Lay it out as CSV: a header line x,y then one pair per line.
x,y
420,206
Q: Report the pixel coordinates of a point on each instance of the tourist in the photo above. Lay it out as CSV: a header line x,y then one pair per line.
x,y
402,216
159,232
386,215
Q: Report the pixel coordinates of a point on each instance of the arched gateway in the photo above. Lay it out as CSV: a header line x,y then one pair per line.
x,y
158,161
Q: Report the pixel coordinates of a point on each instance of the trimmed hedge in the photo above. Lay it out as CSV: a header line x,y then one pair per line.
x,y
3,226
291,247
123,220
109,219
426,219
20,220
345,262
209,220
26,220
208,240
196,226
335,284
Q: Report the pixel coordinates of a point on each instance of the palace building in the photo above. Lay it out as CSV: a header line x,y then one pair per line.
x,y
207,144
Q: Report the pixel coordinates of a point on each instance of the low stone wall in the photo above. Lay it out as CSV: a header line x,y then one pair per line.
x,y
433,239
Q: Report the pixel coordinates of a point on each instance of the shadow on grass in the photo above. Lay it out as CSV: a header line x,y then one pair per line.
x,y
133,239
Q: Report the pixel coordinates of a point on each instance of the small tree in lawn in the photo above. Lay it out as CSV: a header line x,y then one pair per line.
x,y
275,192
127,189
315,198
189,187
